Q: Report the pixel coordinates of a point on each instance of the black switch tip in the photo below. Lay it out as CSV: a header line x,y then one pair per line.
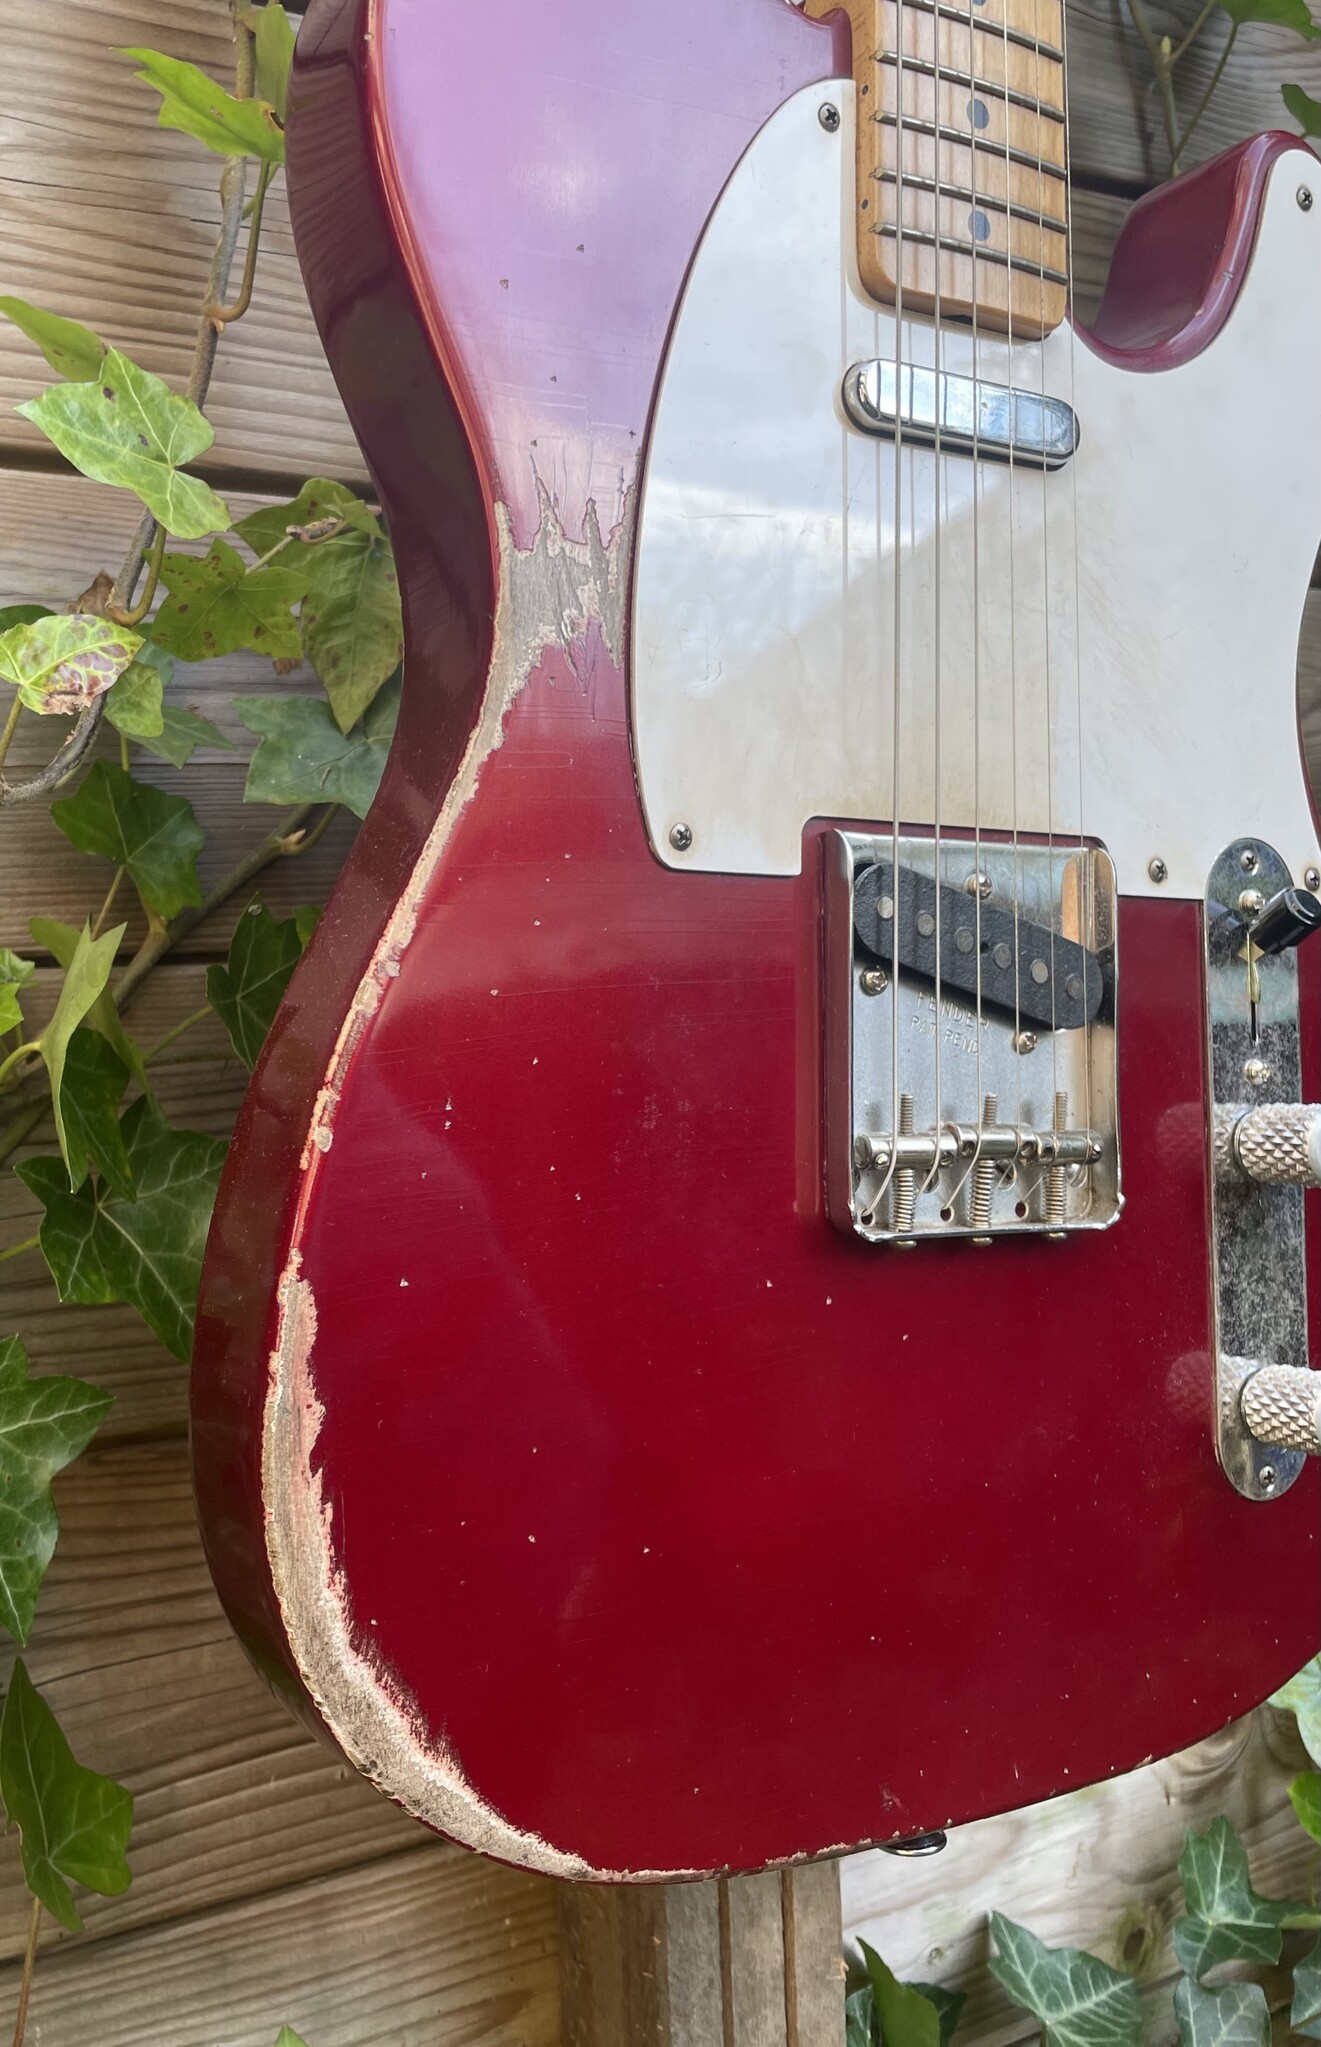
x,y
1287,920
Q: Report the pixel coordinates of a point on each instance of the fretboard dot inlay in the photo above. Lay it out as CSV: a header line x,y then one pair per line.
x,y
979,114
979,227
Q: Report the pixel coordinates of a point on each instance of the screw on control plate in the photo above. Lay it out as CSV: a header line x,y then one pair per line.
x,y
1312,878
681,837
873,980
1266,1478
1304,196
1257,1072
1252,902
1157,869
828,115
1249,860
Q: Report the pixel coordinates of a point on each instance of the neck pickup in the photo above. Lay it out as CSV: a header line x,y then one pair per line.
x,y
960,415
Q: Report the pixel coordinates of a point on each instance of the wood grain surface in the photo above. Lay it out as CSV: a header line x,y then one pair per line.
x,y
271,1885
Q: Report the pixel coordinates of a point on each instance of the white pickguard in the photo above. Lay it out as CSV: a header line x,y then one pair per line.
x,y
1116,642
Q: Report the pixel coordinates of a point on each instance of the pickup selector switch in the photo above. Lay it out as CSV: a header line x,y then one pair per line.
x,y
1285,921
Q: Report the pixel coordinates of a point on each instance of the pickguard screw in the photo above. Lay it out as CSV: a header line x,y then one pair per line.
x,y
1312,879
681,837
1305,198
1157,869
1266,1478
1025,1041
828,115
873,981
1257,1072
1247,859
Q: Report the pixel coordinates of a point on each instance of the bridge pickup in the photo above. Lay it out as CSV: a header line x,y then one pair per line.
x,y
1006,962
966,415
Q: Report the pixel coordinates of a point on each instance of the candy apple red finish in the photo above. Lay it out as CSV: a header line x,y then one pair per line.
x,y
611,1505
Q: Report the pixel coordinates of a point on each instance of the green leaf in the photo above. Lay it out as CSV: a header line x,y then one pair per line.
x,y
246,992
195,104
305,758
62,940
184,731
135,706
1305,110
318,503
44,1424
1227,1919
74,1824
1302,1697
154,835
22,614
147,1252
1080,2001
860,2019
273,33
353,628
84,981
90,1093
61,662
289,2038
1236,2016
1305,1798
306,920
1306,2014
14,974
129,428
1278,13
907,2018
948,2003
218,605
72,350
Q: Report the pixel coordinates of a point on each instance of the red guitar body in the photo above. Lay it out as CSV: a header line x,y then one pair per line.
x,y
612,1508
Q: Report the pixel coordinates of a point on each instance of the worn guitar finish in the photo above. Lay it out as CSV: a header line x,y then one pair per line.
x,y
615,1510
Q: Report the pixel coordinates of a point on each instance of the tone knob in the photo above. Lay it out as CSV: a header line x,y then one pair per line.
x,y
1278,1144
1281,1404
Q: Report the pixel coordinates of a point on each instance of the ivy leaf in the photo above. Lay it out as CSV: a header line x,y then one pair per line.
x,y
61,662
1306,2014
318,503
195,104
907,2018
74,1823
184,731
305,758
22,614
859,2019
93,1085
1236,2016
1278,13
1302,1697
1079,2001
72,350
246,992
135,706
1227,1919
273,34
1305,1798
218,605
147,1252
84,981
353,627
1305,110
14,974
62,940
289,2038
44,1424
948,2003
129,428
154,835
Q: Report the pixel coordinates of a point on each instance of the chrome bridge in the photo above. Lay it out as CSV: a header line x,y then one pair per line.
x,y
970,1038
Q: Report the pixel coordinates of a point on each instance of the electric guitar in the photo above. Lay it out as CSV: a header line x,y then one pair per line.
x,y
760,1298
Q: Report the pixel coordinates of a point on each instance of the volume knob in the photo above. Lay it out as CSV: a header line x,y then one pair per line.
x,y
1278,1144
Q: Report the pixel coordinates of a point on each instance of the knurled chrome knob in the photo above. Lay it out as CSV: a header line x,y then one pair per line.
x,y
1278,1144
1281,1405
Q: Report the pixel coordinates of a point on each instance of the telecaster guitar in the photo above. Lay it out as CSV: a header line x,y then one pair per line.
x,y
760,1298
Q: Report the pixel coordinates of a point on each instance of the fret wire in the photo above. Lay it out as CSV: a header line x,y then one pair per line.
x,y
965,80
909,180
910,123
979,251
986,28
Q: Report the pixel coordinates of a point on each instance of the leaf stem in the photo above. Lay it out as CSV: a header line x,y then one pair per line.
x,y
144,603
17,1250
318,831
22,1125
1161,57
19,1052
108,904
1194,31
224,316
11,725
198,1016
29,1963
1205,101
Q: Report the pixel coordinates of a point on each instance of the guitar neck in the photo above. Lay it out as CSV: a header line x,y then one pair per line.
x,y
962,189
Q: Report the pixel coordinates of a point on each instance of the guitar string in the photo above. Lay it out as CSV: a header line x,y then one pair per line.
x,y
939,500
897,591
1011,500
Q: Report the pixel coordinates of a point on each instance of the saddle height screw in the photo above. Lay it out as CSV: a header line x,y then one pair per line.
x,y
905,1178
1312,879
1157,869
828,115
981,1187
681,837
1057,1179
1305,198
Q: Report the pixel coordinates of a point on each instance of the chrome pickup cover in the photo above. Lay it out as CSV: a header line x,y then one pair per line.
x,y
966,414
